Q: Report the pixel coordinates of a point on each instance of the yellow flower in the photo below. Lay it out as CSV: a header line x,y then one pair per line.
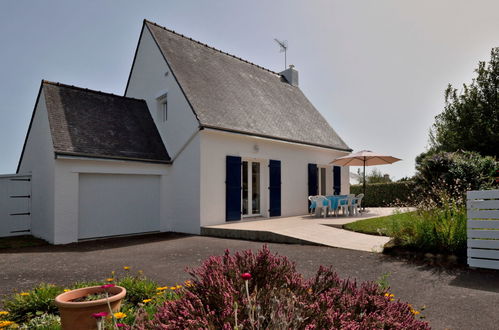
x,y
415,312
126,268
4,324
145,301
390,295
119,315
173,288
4,313
66,290
24,294
159,293
178,287
162,288
188,283
109,279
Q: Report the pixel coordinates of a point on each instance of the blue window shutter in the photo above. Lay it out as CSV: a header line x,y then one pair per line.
x,y
313,185
233,188
274,188
337,180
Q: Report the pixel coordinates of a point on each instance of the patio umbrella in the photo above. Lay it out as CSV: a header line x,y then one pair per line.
x,y
364,158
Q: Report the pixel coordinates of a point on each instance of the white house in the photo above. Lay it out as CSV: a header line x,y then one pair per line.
x,y
201,137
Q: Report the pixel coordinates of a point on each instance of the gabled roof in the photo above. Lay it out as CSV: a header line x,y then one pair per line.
x,y
94,124
229,93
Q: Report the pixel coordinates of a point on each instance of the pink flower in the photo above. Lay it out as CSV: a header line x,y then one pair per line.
x,y
106,286
120,325
246,276
99,315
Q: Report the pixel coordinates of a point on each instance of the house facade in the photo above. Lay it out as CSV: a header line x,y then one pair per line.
x,y
200,137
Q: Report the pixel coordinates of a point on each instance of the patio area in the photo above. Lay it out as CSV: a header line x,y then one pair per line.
x,y
306,229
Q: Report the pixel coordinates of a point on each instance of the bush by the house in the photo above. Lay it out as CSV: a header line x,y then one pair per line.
x,y
455,172
385,194
277,297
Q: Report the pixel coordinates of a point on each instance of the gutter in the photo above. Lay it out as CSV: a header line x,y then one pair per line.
x,y
75,155
273,138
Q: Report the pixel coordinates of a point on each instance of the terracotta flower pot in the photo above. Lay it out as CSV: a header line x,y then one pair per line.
x,y
78,315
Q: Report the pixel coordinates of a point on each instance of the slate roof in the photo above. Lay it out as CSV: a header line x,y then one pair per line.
x,y
229,93
89,123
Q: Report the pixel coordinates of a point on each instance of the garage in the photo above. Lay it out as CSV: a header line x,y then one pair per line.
x,y
118,204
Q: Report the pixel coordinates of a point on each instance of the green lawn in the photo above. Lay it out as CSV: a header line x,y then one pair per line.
x,y
379,226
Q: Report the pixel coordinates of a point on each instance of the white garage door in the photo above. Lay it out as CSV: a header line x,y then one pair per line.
x,y
112,204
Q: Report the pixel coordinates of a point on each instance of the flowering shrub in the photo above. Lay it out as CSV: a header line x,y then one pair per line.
x,y
277,297
24,310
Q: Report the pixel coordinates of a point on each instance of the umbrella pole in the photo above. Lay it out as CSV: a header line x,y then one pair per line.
x,y
364,182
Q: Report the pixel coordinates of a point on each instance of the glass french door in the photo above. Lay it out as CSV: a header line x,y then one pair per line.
x,y
251,185
321,176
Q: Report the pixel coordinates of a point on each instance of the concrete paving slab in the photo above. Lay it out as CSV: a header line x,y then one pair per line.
x,y
306,229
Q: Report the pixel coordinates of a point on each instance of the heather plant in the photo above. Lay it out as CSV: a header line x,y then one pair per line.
x,y
276,296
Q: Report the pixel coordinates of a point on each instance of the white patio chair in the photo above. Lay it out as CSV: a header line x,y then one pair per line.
x,y
322,206
357,203
347,206
312,199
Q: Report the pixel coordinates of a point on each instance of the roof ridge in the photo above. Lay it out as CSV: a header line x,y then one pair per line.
x,y
55,83
210,47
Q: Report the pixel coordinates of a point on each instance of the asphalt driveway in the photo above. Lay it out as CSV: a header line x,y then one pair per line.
x,y
454,299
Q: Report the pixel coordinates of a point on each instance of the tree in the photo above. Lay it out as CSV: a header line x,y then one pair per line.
x,y
455,172
374,177
470,120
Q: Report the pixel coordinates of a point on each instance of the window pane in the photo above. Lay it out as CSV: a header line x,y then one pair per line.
x,y
165,110
255,181
245,187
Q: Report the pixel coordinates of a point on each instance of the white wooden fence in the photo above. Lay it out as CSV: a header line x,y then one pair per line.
x,y
15,205
483,228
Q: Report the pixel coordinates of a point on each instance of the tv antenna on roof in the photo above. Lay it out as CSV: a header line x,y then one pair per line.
x,y
284,47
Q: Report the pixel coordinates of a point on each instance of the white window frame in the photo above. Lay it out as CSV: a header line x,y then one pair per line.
x,y
250,189
162,107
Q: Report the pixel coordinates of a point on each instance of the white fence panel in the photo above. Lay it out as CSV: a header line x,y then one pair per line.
x,y
483,228
15,205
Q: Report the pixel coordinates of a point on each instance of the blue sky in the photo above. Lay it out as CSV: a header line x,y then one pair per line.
x,y
376,70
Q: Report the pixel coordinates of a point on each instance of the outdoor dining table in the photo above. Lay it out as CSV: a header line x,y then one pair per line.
x,y
333,202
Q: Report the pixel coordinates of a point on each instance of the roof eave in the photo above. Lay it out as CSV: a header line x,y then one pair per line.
x,y
29,127
64,154
274,138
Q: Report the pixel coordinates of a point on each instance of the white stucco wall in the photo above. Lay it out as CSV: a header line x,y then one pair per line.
x,y
183,190
151,77
66,190
38,160
216,145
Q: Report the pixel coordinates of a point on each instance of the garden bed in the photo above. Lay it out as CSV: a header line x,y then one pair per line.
x,y
243,290
435,235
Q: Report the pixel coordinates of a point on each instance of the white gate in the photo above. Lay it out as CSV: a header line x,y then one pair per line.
x,y
483,228
15,205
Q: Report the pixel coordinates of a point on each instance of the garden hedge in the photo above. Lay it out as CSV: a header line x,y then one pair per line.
x,y
386,194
